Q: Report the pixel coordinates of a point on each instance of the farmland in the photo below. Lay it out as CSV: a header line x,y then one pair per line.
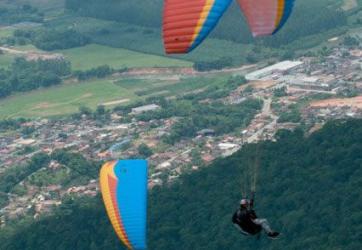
x,y
69,97
92,56
64,99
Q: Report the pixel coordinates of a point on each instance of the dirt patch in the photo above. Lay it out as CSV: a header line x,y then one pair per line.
x,y
159,93
159,71
32,55
86,95
338,102
263,84
349,4
258,85
115,102
291,90
42,105
356,52
179,71
315,128
196,91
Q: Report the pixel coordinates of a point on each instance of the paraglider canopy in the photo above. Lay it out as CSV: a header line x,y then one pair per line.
x,y
124,190
187,23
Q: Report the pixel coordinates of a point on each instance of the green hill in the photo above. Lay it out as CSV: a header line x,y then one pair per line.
x,y
309,188
309,17
119,24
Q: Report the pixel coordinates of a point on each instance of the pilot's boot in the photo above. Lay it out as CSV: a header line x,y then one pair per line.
x,y
273,235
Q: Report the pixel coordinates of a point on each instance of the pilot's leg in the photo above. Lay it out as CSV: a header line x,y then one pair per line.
x,y
264,224
241,230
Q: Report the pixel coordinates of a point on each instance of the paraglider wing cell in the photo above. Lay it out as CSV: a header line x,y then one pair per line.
x,y
124,191
187,23
266,17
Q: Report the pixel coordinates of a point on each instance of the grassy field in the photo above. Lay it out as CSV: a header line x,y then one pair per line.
x,y
64,99
93,55
147,88
6,32
67,98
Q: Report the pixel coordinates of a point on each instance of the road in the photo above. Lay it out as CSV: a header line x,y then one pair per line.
x,y
32,55
266,111
13,51
292,89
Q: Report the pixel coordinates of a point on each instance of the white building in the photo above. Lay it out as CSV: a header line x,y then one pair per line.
x,y
228,148
145,108
276,68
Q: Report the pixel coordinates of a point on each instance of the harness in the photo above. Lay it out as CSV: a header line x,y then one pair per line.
x,y
243,220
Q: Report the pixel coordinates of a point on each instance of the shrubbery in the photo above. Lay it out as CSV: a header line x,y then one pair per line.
x,y
26,75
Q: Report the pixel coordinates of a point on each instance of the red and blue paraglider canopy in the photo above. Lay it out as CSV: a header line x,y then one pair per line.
x,y
187,23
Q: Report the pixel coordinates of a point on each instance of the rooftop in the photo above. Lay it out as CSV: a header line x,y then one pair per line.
x,y
282,66
145,108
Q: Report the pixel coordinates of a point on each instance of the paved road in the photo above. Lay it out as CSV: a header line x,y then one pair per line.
x,y
266,111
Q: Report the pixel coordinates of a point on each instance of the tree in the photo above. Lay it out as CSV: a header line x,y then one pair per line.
x,y
100,110
287,55
85,110
280,92
26,75
196,157
235,81
144,150
249,89
350,41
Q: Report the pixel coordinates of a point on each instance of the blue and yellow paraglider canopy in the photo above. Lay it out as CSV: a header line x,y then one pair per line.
x,y
124,190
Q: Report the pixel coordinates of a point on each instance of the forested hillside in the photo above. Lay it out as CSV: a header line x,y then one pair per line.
x,y
309,188
309,17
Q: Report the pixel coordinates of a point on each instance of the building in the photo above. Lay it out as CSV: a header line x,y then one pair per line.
x,y
276,68
145,108
206,132
228,148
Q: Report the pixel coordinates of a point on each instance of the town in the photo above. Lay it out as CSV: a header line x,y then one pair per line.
x,y
303,93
